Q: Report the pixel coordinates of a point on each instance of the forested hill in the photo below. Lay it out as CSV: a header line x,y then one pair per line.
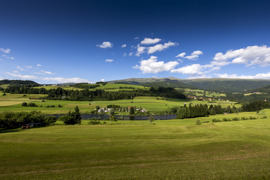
x,y
265,89
228,85
18,83
156,82
211,84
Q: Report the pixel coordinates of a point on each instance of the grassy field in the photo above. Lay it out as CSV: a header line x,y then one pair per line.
x,y
198,92
12,102
14,99
67,87
170,149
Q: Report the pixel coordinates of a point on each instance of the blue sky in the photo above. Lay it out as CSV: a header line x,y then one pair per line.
x,y
56,41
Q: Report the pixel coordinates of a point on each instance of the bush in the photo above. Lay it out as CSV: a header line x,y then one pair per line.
x,y
216,120
151,119
264,117
225,119
235,119
93,122
198,122
251,118
244,118
31,104
24,104
72,117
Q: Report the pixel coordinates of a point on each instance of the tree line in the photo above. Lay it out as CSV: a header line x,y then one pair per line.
x,y
201,110
87,95
12,120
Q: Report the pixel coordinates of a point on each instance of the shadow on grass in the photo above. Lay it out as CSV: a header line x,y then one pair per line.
x,y
8,130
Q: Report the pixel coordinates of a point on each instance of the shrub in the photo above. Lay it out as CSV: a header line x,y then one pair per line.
x,y
31,104
151,119
24,104
217,120
72,117
225,119
251,118
235,119
244,118
264,117
198,122
93,122
206,122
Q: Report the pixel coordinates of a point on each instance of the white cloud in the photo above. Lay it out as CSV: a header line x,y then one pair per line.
x,y
65,80
151,65
193,56
194,69
20,68
46,72
125,54
8,57
153,49
22,76
140,50
50,79
7,51
28,67
136,37
160,47
39,65
148,41
109,60
106,44
181,55
102,80
130,54
124,45
251,55
235,76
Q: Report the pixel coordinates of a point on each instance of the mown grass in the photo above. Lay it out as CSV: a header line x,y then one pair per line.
x,y
12,102
170,149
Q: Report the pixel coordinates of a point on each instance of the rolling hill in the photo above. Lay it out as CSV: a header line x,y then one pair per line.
x,y
210,84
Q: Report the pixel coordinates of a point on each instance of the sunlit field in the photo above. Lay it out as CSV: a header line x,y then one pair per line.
x,y
164,149
12,102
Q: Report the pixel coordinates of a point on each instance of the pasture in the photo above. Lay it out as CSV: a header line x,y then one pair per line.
x,y
168,149
12,102
200,93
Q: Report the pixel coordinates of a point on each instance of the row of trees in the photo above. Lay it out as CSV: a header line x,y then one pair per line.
x,y
255,105
87,95
12,120
200,110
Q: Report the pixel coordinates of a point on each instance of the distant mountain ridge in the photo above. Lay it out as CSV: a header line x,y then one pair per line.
x,y
211,84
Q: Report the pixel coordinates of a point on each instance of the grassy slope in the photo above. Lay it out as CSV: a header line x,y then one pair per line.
x,y
12,102
175,149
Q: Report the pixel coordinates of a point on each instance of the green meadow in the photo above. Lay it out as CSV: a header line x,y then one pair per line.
x,y
168,149
12,102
